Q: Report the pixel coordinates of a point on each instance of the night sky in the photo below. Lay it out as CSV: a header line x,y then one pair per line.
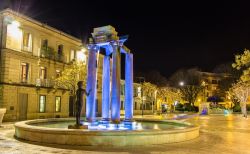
x,y
163,36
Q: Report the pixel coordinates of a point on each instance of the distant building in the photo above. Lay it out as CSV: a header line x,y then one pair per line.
x,y
211,82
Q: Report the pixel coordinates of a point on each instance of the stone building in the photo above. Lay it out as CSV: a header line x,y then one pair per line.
x,y
32,55
211,82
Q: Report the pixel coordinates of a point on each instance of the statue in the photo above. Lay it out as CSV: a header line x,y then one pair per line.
x,y
79,100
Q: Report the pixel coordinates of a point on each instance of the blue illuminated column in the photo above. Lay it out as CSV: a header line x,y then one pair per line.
x,y
128,87
105,88
116,78
91,83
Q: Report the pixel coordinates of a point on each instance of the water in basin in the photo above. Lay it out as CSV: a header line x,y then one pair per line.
x,y
117,127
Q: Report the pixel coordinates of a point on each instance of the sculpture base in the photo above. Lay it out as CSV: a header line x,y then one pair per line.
x,y
77,126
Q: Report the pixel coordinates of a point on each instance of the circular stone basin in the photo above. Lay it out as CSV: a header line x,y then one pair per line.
x,y
141,132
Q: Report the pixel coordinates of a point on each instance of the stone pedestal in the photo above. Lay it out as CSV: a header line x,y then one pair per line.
x,y
2,112
204,108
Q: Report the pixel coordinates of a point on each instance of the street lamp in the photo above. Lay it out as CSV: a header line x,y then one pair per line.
x,y
181,83
204,90
142,80
155,101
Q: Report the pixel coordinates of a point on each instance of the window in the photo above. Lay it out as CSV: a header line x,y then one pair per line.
x,y
60,49
24,72
135,108
122,104
14,36
27,41
214,81
58,103
122,89
43,73
72,55
58,73
44,44
42,103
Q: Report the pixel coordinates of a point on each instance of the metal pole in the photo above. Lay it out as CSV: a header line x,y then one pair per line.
x,y
142,100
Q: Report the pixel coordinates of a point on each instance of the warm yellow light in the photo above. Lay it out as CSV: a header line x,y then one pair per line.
x,y
84,50
199,100
14,30
181,83
81,56
15,23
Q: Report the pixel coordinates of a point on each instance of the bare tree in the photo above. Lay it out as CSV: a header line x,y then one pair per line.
x,y
242,91
190,85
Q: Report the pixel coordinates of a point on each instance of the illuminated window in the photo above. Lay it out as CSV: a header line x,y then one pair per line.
x,y
72,55
58,103
27,41
24,72
139,91
42,103
14,36
43,73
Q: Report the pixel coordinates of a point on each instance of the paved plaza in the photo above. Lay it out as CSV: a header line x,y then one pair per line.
x,y
219,134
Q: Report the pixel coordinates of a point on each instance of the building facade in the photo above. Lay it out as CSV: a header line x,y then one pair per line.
x,y
32,55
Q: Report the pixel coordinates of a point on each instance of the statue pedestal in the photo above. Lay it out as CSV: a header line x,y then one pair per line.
x,y
2,112
78,126
204,108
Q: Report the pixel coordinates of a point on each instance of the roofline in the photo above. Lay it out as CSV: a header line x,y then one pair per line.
x,y
215,74
8,10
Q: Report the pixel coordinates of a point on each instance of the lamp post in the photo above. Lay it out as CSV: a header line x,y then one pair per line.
x,y
155,101
142,80
204,90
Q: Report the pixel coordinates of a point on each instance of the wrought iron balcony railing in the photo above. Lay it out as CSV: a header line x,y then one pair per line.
x,y
50,54
44,83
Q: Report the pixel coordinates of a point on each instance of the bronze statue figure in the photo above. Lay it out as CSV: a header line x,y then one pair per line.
x,y
79,100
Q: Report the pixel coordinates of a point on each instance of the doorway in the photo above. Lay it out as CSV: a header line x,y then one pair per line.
x,y
23,106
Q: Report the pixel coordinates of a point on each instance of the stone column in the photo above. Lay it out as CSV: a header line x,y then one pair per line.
x,y
105,88
129,87
116,86
91,83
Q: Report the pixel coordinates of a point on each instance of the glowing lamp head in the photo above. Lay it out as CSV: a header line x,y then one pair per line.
x,y
181,83
15,24
81,57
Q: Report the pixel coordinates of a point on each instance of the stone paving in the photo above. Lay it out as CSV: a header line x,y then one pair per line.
x,y
219,134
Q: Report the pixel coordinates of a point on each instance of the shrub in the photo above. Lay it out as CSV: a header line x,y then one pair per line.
x,y
237,108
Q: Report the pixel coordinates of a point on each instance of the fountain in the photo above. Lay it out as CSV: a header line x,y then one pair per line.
x,y
110,130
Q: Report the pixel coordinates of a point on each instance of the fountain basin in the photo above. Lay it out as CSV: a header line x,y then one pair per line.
x,y
32,130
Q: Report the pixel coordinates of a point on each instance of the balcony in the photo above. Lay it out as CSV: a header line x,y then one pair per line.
x,y
44,83
49,53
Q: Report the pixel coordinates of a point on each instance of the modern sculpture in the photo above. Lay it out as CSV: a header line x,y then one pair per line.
x,y
106,37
